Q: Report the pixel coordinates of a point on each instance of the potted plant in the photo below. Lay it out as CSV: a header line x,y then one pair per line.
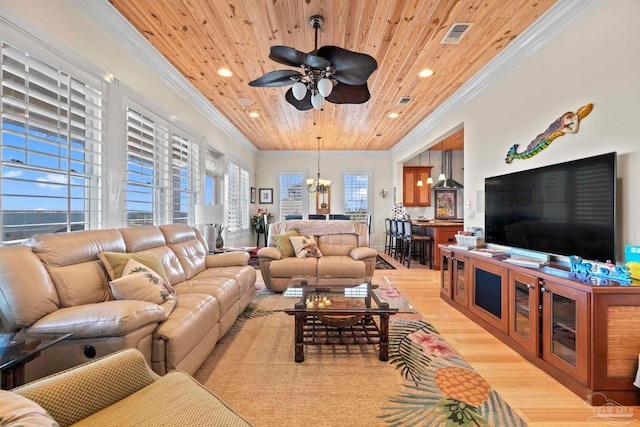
x,y
258,220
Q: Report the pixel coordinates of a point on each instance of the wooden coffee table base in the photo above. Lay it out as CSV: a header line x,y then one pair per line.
x,y
309,330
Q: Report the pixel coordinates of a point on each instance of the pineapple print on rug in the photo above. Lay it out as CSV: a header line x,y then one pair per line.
x,y
440,389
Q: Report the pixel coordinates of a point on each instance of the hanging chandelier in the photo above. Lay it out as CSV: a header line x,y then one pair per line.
x,y
318,185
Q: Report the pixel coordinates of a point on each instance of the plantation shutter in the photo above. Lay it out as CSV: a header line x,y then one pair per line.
x,y
291,194
51,149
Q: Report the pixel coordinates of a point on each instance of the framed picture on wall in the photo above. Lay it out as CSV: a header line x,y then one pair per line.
x,y
253,194
446,204
266,196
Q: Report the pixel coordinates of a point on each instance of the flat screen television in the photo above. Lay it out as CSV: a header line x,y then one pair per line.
x,y
563,209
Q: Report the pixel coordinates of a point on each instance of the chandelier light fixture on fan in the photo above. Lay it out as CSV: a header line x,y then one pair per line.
x,y
318,185
330,73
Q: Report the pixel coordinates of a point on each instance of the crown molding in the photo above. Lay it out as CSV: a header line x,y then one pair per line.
x,y
105,16
555,20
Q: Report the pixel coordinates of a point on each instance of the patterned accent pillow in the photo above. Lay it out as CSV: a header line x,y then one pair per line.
x,y
139,282
16,410
305,246
115,262
283,242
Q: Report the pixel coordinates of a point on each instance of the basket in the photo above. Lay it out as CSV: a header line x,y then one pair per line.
x,y
342,320
477,241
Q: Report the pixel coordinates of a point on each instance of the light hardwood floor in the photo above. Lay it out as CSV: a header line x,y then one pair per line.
x,y
538,398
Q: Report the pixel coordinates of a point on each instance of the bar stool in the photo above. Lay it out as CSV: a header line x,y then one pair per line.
x,y
422,243
388,237
397,238
402,241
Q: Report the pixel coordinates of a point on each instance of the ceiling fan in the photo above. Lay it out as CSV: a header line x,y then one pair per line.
x,y
332,73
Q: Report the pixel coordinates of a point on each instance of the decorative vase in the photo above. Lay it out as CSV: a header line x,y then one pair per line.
x,y
219,240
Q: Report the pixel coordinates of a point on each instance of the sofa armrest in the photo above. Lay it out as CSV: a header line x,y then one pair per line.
x,y
361,253
269,252
227,259
104,319
72,395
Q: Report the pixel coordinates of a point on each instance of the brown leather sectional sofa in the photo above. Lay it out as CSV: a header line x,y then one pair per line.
x,y
57,283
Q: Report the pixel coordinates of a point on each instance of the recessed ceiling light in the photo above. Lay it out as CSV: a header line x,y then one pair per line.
x,y
254,114
225,72
427,72
245,101
393,115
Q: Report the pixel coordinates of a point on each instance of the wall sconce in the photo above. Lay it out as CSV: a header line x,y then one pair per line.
x,y
384,192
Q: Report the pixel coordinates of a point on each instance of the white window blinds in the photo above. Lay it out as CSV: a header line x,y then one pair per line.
x,y
356,196
162,181
291,194
51,149
237,198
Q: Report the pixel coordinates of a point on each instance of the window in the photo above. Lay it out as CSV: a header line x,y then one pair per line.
x,y
291,194
237,198
50,149
147,147
162,177
356,196
211,177
184,179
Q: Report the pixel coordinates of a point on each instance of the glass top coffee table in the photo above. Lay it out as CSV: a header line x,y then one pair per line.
x,y
18,348
341,311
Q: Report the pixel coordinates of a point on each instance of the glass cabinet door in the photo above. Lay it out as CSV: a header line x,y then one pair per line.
x,y
460,293
524,325
445,274
565,323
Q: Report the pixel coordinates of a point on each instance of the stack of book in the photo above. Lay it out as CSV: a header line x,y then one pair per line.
x,y
462,247
526,262
489,253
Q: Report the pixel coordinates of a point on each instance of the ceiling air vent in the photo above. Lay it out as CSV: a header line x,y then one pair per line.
x,y
455,33
404,100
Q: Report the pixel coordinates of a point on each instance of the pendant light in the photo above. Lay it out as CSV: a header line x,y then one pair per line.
x,y
442,176
429,180
419,183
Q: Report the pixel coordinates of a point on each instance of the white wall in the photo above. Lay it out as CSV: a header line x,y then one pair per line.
x,y
596,60
333,165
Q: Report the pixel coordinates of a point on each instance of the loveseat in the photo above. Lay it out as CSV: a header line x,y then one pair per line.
x,y
64,283
342,251
118,390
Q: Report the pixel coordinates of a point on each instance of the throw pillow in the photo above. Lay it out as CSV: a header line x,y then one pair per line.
x,y
114,262
19,411
305,246
139,282
283,242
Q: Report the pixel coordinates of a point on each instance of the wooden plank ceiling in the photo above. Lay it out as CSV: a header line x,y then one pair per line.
x,y
199,37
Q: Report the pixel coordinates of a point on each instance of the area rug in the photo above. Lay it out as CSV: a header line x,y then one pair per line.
x,y
381,263
425,382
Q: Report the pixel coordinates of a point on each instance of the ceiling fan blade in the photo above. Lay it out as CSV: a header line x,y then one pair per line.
x,y
275,78
352,68
349,94
303,105
294,58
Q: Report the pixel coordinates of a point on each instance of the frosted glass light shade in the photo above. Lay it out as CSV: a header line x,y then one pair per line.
x,y
325,87
419,183
429,180
442,177
317,100
299,90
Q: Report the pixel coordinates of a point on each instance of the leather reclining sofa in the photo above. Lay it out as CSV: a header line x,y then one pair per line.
x,y
56,283
344,246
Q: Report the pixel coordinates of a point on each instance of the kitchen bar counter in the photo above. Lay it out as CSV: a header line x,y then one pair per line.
x,y
441,231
